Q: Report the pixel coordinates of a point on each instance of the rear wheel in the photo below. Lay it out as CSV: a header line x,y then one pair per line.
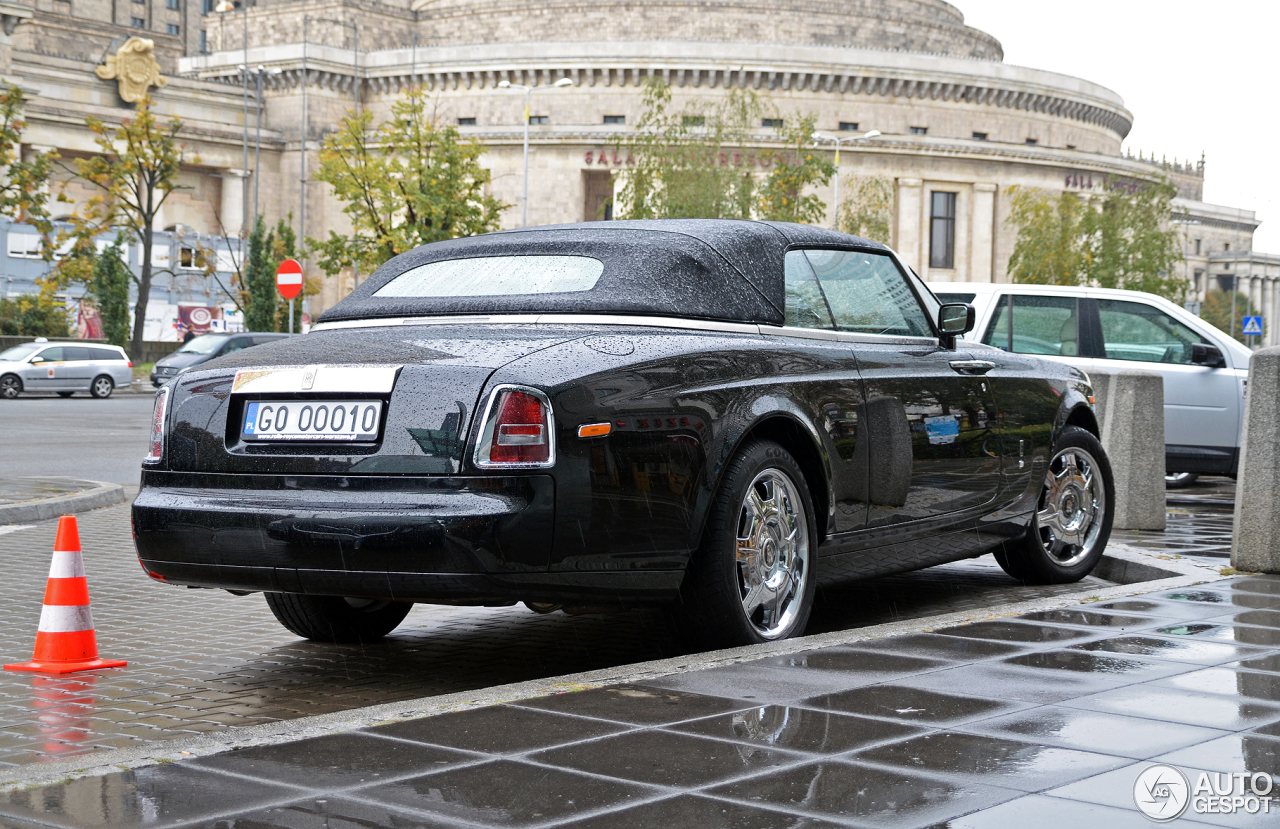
x,y
1180,480
65,393
335,618
10,386
102,386
1072,522
752,580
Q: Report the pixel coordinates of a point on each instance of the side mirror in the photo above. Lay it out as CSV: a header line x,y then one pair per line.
x,y
955,319
1210,356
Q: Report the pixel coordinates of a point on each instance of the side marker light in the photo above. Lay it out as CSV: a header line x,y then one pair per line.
x,y
594,430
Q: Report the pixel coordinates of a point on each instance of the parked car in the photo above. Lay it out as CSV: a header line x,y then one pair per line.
x,y
1204,369
712,416
204,348
65,368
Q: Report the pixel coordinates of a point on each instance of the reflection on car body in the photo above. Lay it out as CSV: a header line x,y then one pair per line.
x,y
708,415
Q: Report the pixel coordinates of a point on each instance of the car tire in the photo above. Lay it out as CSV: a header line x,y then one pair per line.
x,y
102,387
337,619
1180,480
1072,521
10,386
65,394
730,597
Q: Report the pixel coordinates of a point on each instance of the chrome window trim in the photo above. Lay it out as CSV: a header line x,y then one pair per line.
x,y
484,432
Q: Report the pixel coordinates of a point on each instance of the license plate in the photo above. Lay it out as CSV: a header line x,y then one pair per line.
x,y
329,420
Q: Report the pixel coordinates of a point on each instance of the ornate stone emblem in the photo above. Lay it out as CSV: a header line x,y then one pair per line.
x,y
134,67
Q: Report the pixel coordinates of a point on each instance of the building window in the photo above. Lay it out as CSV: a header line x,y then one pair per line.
x,y
942,231
171,4
919,130
979,136
137,23
1226,246
615,119
848,126
24,245
1198,247
539,119
1032,141
776,123
206,6
1071,146
204,42
471,122
173,29
693,121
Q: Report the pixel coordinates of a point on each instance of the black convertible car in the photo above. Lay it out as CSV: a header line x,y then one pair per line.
x,y
708,415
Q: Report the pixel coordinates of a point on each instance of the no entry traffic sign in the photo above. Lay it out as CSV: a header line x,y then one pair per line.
x,y
289,278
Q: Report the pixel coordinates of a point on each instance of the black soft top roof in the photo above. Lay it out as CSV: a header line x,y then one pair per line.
x,y
713,269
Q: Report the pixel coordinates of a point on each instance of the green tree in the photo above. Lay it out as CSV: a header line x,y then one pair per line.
x,y
783,197
1119,238
284,245
33,316
688,163
1217,311
258,294
409,181
868,211
131,177
110,290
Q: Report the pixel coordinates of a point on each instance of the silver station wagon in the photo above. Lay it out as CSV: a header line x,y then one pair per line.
x,y
1098,329
64,368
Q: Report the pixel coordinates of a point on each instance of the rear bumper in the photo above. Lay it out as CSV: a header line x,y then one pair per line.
x,y
408,538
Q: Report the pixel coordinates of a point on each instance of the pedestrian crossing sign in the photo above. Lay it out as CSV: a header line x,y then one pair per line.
x,y
1252,326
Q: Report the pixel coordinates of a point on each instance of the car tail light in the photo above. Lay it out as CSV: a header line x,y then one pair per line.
x,y
130,362
517,431
156,452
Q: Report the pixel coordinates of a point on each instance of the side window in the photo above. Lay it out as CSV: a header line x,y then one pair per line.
x,y
1135,331
103,354
806,307
76,354
1040,325
50,355
234,344
867,294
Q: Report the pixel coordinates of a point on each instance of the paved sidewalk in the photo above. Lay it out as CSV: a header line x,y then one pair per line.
x,y
1046,719
203,661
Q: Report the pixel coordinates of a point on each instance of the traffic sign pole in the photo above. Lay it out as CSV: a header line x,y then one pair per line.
x,y
289,283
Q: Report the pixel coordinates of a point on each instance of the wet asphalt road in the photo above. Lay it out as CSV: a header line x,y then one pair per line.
x,y
79,437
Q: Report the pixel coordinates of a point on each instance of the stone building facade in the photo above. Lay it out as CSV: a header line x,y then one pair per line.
x,y
958,126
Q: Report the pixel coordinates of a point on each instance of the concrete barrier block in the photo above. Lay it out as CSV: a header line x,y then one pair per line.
x,y
1255,544
1130,407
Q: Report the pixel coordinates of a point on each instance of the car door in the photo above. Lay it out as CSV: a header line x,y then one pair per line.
x,y
46,371
1201,404
80,367
928,419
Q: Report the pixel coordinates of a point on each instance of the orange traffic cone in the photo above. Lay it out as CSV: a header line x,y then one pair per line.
x,y
65,641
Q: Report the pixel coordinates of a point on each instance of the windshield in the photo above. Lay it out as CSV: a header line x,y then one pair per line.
x,y
20,352
204,344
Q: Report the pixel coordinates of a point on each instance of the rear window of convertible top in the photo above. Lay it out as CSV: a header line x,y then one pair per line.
x,y
496,276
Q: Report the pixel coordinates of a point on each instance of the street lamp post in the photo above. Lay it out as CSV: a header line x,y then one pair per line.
x,y
528,91
818,136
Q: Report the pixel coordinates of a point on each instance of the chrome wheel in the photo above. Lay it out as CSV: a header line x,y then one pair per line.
x,y
102,387
1072,507
772,553
10,387
1178,480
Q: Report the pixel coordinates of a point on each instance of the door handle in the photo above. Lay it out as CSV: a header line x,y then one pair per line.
x,y
972,366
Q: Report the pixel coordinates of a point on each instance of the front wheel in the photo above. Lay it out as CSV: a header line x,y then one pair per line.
x,y
1072,522
752,580
335,618
10,386
102,387
1180,480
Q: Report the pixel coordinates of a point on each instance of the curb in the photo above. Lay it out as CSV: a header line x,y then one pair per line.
x,y
1164,573
101,494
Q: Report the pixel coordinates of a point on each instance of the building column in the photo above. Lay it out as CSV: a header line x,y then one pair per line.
x,y
1268,318
11,14
907,241
232,208
984,233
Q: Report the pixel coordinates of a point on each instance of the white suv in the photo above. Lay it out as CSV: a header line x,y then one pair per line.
x,y
1204,370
